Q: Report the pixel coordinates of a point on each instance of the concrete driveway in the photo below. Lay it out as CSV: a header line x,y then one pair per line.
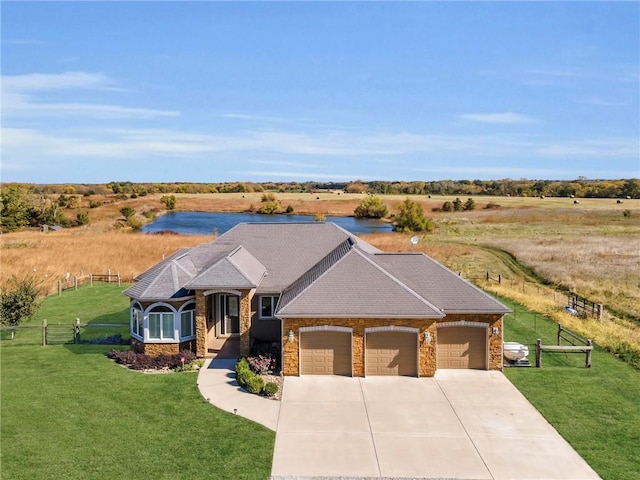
x,y
462,424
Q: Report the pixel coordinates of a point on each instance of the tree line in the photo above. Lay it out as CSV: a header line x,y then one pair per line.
x,y
579,188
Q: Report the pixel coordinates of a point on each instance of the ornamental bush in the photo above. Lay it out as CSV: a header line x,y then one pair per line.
x,y
261,364
270,389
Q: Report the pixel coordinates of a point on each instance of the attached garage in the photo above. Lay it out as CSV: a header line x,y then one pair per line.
x,y
462,347
325,352
391,352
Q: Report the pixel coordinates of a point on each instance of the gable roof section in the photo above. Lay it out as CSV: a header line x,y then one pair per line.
x,y
441,286
239,269
165,282
287,250
353,286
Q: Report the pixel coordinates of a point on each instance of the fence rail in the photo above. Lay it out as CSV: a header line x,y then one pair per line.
x,y
69,282
60,333
583,306
586,346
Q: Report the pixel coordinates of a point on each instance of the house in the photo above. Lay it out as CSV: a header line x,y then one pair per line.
x,y
333,303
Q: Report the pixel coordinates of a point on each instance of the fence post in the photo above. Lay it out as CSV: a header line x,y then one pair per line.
x,y
91,279
559,334
587,361
59,287
487,276
76,331
118,278
44,332
109,276
499,279
538,353
599,311
75,281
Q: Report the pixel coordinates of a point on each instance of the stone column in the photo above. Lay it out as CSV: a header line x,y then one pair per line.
x,y
201,324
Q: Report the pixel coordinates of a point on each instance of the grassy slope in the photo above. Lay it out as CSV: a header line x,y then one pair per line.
x,y
69,412
595,409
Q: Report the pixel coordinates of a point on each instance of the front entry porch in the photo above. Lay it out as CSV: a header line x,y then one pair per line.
x,y
224,347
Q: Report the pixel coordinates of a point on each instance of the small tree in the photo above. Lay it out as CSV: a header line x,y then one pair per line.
x,y
410,218
82,217
169,201
469,204
127,212
626,214
457,204
371,207
19,300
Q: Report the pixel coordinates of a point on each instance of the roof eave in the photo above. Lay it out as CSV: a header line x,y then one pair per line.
x,y
359,315
477,312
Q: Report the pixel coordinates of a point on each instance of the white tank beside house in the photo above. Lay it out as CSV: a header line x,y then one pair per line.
x,y
514,351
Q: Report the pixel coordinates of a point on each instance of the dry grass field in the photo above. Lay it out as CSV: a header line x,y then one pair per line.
x,y
588,247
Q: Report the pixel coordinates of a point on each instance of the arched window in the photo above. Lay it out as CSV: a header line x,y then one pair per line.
x,y
161,321
137,321
187,321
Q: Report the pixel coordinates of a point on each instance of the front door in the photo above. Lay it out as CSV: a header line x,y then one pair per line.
x,y
229,314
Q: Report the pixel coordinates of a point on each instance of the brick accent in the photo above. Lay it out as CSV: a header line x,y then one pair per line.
x,y
155,349
291,350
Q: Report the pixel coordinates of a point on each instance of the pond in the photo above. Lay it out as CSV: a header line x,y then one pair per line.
x,y
207,223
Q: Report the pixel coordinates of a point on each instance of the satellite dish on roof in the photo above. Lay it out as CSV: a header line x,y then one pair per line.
x,y
414,240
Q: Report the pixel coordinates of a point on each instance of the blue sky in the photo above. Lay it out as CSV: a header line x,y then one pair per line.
x,y
216,91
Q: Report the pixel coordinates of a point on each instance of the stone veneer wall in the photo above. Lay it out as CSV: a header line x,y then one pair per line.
x,y
291,351
201,324
245,322
495,339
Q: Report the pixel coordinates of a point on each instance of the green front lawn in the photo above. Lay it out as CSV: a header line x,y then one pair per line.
x,y
69,412
596,409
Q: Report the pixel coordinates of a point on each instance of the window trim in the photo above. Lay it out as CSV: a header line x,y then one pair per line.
x,y
189,307
274,303
147,331
134,308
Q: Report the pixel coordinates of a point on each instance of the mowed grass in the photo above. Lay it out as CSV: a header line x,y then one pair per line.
x,y
595,409
68,412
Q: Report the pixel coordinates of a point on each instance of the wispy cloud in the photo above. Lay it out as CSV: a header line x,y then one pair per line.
x,y
55,81
592,148
508,118
21,97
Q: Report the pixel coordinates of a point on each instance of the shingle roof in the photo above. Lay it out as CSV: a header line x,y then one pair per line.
x,y
320,270
440,285
354,286
239,269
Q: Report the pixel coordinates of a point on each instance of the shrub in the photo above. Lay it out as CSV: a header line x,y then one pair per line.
x,y
371,207
254,384
270,207
169,201
270,389
19,300
447,207
268,197
82,217
470,204
94,203
262,364
319,217
127,212
141,361
411,218
289,209
457,205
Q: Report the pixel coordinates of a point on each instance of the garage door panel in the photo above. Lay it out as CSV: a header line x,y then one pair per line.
x,y
462,347
392,353
325,353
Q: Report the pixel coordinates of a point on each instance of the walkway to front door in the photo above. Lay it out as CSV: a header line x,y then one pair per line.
x,y
224,347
